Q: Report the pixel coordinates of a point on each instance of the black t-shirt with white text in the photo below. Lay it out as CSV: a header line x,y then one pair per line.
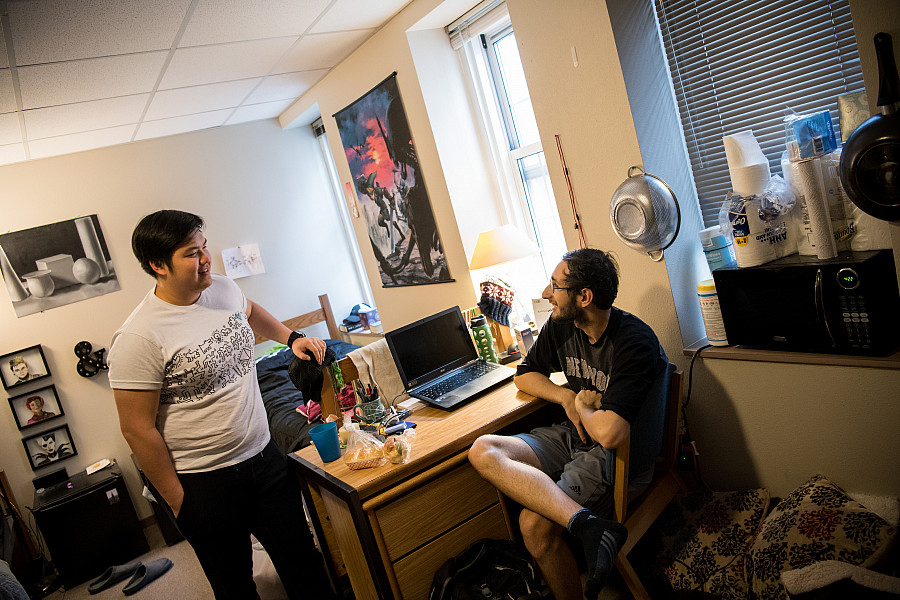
x,y
621,365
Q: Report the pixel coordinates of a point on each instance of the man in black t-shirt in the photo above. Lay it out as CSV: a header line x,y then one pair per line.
x,y
610,359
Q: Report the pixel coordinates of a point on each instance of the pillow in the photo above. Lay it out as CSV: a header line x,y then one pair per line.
x,y
816,522
703,537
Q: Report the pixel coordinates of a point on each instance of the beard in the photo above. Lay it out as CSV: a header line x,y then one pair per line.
x,y
568,313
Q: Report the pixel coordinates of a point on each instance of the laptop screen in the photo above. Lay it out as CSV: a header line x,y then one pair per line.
x,y
431,347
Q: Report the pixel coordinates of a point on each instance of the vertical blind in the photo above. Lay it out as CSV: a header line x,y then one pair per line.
x,y
742,65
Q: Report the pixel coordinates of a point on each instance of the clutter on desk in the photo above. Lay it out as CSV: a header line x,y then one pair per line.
x,y
363,451
397,448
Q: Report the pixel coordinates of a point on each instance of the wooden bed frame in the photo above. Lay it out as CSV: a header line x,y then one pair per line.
x,y
311,318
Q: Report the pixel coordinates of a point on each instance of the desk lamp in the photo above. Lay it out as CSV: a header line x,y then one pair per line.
x,y
497,247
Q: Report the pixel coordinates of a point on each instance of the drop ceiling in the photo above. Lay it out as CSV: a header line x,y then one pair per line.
x,y
82,74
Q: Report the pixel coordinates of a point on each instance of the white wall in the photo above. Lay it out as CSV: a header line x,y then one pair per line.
x,y
251,183
782,423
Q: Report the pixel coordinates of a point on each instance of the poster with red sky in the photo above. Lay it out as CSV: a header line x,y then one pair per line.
x,y
388,183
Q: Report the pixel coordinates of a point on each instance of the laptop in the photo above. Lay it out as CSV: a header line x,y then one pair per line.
x,y
438,363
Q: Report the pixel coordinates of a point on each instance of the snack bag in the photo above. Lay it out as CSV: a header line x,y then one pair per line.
x,y
363,451
397,448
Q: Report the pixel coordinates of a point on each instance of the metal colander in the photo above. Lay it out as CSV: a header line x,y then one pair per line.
x,y
644,213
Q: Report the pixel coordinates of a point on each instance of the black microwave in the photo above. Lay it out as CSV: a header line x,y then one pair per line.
x,y
847,305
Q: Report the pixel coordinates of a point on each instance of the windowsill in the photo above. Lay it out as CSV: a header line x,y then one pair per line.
x,y
891,361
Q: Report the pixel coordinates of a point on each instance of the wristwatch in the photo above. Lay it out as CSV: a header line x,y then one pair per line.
x,y
295,335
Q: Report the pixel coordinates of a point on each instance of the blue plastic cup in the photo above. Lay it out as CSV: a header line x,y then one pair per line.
x,y
325,438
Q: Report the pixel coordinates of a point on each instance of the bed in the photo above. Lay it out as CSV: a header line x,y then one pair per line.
x,y
290,429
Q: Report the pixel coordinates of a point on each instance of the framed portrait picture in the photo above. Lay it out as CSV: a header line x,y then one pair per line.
x,y
36,407
23,366
49,447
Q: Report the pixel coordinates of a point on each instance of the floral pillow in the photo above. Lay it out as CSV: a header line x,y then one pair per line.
x,y
703,537
814,523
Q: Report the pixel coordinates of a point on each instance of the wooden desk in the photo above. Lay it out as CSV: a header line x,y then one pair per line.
x,y
391,527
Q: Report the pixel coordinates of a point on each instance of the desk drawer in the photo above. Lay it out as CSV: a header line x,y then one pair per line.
x,y
429,511
415,572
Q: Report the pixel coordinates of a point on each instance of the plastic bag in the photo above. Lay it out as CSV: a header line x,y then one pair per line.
x,y
363,451
762,226
397,448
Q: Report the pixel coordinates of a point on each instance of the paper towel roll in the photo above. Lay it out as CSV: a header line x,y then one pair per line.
x,y
791,172
822,236
747,165
91,243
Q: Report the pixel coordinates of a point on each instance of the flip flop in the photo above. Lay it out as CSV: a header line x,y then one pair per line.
x,y
112,576
146,574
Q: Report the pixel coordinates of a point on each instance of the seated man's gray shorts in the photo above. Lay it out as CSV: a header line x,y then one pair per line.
x,y
576,467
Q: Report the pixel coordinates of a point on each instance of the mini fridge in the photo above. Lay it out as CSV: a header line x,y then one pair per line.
x,y
89,524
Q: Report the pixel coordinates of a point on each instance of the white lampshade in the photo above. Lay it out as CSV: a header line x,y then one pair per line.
x,y
501,245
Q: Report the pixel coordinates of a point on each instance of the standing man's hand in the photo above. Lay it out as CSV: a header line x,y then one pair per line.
x,y
307,347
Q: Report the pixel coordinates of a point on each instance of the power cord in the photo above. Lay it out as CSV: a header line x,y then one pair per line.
x,y
688,457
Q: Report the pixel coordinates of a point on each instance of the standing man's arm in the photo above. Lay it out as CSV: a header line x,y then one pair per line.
x,y
268,326
137,420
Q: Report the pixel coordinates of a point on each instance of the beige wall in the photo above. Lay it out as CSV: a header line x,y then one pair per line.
x,y
251,183
782,423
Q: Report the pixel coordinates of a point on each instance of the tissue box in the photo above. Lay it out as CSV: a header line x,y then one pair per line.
x,y
524,339
369,317
60,267
814,134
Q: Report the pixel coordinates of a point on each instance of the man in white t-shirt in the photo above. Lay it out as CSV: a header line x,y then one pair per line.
x,y
184,380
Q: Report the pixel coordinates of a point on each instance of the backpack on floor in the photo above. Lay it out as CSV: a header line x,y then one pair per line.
x,y
486,570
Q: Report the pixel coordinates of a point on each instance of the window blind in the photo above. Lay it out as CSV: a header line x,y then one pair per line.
x,y
739,66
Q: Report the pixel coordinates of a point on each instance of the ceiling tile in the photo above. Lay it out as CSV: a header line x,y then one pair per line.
x,y
10,131
7,94
224,62
153,129
83,80
322,50
256,112
84,116
358,14
217,21
78,142
285,86
59,30
12,154
203,98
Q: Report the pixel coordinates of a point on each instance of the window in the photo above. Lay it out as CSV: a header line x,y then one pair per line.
x,y
488,44
739,66
343,210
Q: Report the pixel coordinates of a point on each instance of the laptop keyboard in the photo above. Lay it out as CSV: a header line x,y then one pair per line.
x,y
457,380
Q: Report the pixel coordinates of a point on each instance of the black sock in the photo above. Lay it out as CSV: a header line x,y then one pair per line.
x,y
601,540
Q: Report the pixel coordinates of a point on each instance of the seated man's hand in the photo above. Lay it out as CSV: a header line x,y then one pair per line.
x,y
575,417
589,398
309,347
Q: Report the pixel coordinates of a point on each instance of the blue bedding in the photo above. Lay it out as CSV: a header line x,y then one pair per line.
x,y
290,429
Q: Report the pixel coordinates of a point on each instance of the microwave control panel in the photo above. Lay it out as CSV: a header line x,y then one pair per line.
x,y
855,319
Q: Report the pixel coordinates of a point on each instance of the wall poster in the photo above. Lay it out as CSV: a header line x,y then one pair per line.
x,y
57,264
391,192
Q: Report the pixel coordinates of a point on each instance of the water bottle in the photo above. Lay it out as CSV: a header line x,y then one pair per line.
x,y
484,342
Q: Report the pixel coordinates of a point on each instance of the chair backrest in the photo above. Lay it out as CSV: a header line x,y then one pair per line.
x,y
648,427
653,439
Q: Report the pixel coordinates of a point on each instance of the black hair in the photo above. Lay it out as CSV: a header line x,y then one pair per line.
x,y
596,270
159,234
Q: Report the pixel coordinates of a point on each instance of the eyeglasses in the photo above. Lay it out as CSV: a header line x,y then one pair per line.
x,y
555,287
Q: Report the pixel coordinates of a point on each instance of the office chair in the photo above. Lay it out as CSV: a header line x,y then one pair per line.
x,y
654,439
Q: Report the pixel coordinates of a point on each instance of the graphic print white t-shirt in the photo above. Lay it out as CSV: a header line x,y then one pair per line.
x,y
200,357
